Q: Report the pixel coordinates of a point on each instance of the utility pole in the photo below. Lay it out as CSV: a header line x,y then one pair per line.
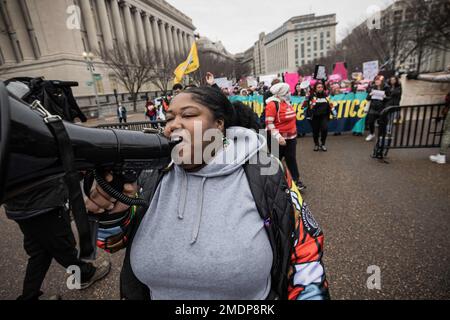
x,y
89,58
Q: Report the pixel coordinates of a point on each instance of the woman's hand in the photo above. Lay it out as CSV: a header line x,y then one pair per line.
x,y
99,201
209,78
282,141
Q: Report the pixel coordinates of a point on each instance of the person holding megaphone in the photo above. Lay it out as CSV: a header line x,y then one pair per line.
x,y
215,227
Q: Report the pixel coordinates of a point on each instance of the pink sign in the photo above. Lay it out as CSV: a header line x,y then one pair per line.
x,y
340,69
291,79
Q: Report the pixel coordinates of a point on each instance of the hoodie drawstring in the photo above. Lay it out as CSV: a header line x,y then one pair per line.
x,y
196,229
182,199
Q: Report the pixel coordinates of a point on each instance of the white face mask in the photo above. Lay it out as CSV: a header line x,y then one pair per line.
x,y
286,97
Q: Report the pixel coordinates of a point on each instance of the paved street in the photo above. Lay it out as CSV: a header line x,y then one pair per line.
x,y
395,216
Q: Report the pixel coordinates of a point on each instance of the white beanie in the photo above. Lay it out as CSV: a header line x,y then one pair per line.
x,y
280,90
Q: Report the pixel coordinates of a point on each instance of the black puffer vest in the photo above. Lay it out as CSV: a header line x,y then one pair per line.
x,y
273,200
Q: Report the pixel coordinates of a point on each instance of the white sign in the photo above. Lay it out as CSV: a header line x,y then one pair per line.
x,y
370,70
252,82
224,83
378,95
321,72
268,79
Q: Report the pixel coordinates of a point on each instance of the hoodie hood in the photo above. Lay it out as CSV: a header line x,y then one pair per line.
x,y
243,144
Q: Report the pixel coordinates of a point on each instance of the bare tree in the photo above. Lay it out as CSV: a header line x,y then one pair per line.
x,y
164,70
425,26
133,68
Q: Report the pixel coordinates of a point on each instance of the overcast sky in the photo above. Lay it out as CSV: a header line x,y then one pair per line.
x,y
237,23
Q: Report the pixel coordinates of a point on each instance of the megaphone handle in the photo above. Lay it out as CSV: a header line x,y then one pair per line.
x,y
114,189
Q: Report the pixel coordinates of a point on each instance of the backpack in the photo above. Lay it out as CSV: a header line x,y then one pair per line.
x,y
262,119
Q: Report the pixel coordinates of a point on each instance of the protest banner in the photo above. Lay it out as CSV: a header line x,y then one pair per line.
x,y
349,108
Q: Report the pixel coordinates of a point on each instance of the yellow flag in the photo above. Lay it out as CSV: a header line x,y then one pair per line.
x,y
191,64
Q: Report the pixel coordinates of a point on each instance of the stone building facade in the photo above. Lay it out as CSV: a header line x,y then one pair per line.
x,y
47,37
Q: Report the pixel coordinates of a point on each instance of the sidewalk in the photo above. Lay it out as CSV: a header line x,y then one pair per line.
x,y
132,117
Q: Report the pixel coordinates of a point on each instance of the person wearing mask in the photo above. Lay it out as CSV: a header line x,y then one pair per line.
x,y
214,237
378,96
441,157
281,123
320,108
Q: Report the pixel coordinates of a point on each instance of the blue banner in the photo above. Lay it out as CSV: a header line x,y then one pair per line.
x,y
349,107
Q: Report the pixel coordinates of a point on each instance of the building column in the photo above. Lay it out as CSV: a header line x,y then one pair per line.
x,y
170,40
131,36
164,41
89,24
156,35
140,30
30,29
186,40
177,43
117,22
182,46
104,22
148,32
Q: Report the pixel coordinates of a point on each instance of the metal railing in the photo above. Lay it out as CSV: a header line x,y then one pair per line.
x,y
409,127
133,126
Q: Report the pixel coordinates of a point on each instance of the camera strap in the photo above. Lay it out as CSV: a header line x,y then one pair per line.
x,y
72,179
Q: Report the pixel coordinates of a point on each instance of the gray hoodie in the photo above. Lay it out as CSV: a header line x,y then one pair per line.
x,y
202,237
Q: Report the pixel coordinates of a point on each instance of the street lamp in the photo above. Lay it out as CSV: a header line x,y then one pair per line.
x,y
89,58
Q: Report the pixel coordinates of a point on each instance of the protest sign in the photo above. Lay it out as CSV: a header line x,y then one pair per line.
x,y
291,79
320,72
370,70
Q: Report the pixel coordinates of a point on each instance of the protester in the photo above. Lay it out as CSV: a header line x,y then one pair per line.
x,y
268,93
43,216
395,96
320,107
45,223
122,113
281,122
335,91
378,96
177,88
299,92
441,158
150,110
215,233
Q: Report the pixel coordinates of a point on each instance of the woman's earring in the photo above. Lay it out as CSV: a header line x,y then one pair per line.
x,y
225,141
